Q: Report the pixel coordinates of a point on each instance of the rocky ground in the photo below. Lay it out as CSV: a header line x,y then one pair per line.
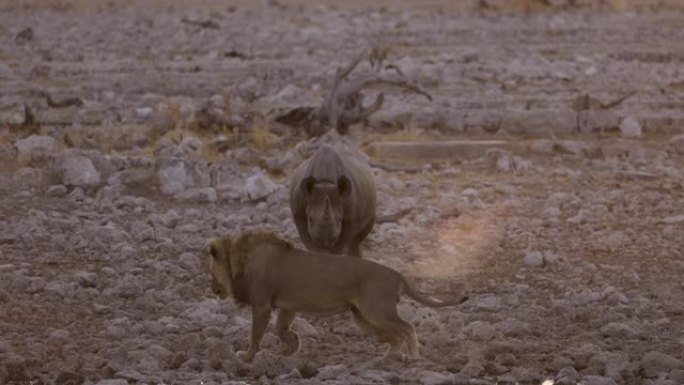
x,y
545,179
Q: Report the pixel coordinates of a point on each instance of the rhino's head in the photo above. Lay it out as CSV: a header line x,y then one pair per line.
x,y
325,208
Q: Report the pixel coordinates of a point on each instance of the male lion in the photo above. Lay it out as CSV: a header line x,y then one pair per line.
x,y
261,270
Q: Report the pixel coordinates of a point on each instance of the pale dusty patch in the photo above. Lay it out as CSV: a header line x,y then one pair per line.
x,y
461,244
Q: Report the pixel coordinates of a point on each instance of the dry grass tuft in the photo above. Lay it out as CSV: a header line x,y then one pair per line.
x,y
6,136
175,136
210,151
261,137
107,139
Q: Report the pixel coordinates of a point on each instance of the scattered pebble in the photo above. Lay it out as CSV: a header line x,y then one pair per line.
x,y
118,381
34,147
79,171
198,195
673,219
598,380
429,377
480,330
59,337
534,258
630,128
655,363
258,186
331,372
56,191
473,369
174,176
567,376
618,330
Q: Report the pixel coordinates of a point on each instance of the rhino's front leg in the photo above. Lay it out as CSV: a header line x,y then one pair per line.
x,y
347,243
354,249
354,244
302,228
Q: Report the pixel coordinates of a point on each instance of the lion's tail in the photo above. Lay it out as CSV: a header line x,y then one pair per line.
x,y
421,298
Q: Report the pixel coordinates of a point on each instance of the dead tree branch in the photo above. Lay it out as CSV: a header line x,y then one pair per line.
x,y
344,106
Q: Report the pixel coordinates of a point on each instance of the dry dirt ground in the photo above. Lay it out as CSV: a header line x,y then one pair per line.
x,y
135,132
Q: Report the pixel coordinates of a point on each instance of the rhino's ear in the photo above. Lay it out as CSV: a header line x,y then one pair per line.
x,y
343,186
308,184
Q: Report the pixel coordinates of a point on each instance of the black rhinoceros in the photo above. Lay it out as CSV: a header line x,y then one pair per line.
x,y
332,198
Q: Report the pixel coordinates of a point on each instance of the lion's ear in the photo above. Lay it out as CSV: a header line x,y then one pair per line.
x,y
236,265
212,250
236,255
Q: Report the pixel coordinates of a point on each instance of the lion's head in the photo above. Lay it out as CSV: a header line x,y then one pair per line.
x,y
228,259
219,265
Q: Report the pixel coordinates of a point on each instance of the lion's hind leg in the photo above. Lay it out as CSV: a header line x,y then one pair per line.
x,y
403,340
412,343
384,335
369,328
382,318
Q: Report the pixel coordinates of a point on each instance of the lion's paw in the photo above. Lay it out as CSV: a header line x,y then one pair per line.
x,y
245,355
291,341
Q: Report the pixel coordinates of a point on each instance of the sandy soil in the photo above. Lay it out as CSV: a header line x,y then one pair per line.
x,y
132,133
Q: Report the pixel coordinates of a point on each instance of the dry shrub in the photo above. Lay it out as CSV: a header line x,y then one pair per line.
x,y
261,137
107,139
407,132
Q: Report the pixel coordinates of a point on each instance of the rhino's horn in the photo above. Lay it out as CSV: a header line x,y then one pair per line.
x,y
328,208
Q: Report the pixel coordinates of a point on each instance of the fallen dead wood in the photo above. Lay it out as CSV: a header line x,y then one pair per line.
x,y
639,175
432,150
395,168
394,217
64,103
201,23
587,102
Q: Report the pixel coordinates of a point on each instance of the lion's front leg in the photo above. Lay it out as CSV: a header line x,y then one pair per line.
x,y
287,336
260,317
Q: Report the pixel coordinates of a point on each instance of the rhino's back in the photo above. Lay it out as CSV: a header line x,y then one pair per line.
x,y
328,164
